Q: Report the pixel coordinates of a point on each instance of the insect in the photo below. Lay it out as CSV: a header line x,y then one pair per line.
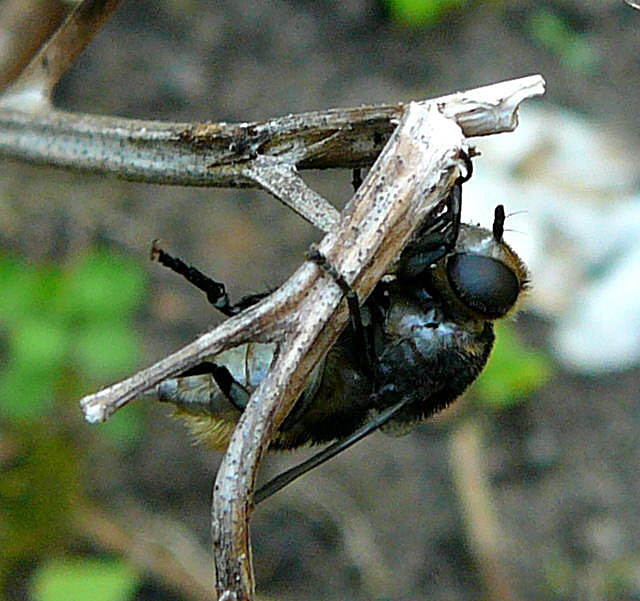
x,y
424,334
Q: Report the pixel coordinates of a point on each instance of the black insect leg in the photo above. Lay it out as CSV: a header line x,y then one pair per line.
x,y
451,228
217,295
235,392
454,206
440,234
215,291
468,165
356,179
327,453
363,348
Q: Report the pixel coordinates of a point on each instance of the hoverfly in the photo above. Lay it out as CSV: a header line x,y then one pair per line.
x,y
412,348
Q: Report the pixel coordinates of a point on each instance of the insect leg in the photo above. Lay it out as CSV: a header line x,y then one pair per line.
x,y
215,291
196,396
356,179
237,394
441,233
327,453
365,349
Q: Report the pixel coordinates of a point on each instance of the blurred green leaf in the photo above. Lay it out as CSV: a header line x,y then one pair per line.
x,y
416,13
105,348
25,394
37,489
37,350
59,322
125,427
557,35
17,284
39,342
512,373
61,328
105,285
25,288
77,579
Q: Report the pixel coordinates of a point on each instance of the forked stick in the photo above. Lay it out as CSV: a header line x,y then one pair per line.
x,y
414,171
412,175
265,154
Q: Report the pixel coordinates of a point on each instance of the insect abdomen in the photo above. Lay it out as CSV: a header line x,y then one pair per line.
x,y
207,409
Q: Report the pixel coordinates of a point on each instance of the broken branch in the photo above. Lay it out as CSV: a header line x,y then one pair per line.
x,y
229,154
412,175
32,90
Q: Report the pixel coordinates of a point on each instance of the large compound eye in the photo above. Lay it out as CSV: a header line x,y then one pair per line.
x,y
483,284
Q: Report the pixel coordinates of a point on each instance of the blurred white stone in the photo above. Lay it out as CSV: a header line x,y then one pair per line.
x,y
574,187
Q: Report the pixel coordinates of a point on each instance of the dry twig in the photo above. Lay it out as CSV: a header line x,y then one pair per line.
x,y
411,175
24,27
32,90
237,154
483,525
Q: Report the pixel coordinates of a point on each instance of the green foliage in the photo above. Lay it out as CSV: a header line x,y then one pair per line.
x,y
62,331
76,579
609,579
58,323
558,36
105,287
513,372
559,573
38,488
418,13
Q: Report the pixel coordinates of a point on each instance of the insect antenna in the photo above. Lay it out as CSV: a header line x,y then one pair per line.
x,y
521,212
498,223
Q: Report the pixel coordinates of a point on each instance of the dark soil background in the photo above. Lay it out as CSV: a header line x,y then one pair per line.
x,y
382,521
